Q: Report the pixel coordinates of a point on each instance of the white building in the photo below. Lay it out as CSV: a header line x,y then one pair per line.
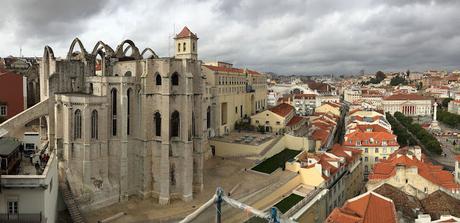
x,y
408,104
30,194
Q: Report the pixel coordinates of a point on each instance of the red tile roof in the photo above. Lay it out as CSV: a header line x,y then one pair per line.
x,y
186,33
351,139
230,70
366,208
282,109
406,97
306,96
435,174
294,120
372,128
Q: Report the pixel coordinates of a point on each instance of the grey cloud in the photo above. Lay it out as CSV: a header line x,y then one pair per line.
x,y
290,36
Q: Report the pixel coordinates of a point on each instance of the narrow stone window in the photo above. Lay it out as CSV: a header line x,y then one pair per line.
x,y
77,125
157,120
158,79
114,111
94,125
175,124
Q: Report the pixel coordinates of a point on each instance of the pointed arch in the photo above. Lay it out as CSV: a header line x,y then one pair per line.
x,y
120,52
175,79
129,95
48,53
175,124
157,123
148,49
157,79
72,46
113,101
94,125
101,45
77,124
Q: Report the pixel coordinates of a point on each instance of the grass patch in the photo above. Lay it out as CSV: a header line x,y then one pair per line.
x,y
256,219
271,164
288,202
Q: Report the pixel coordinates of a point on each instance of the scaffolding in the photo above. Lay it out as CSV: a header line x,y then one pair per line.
x,y
272,216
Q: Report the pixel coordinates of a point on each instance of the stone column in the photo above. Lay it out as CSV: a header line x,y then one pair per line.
x,y
435,111
122,115
86,146
187,180
165,144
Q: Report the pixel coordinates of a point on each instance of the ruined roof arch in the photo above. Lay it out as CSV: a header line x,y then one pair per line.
x,y
135,51
101,45
48,53
148,49
72,46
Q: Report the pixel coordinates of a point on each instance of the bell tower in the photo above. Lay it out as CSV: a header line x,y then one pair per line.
x,y
186,45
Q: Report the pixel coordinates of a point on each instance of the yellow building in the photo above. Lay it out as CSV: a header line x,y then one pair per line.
x,y
235,93
340,171
370,132
329,107
279,119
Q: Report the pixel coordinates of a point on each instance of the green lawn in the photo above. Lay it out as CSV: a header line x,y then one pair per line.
x,y
288,202
271,164
256,220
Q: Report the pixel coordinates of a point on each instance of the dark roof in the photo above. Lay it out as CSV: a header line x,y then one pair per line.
x,y
439,203
404,203
8,145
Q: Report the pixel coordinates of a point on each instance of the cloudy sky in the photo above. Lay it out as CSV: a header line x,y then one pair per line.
x,y
283,36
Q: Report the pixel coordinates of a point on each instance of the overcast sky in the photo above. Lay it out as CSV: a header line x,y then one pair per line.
x,y
283,36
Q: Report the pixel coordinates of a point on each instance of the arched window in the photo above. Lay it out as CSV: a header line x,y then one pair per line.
x,y
77,125
94,125
114,111
157,120
128,116
208,117
158,79
185,48
175,78
178,47
128,74
175,124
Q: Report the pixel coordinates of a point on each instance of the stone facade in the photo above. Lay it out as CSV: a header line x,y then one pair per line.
x,y
127,124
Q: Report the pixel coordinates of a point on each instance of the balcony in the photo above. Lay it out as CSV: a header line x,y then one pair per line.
x,y
21,218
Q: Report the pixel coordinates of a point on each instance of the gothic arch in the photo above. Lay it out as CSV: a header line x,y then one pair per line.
x,y
148,49
135,51
101,45
48,53
82,48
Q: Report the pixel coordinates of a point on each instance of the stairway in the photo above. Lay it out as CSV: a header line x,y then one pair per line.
x,y
70,202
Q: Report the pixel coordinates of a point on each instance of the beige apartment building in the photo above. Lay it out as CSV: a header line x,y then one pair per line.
x,y
234,93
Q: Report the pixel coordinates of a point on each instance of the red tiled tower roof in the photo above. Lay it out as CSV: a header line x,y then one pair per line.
x,y
186,33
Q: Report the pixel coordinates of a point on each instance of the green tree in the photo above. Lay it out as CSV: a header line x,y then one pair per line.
x,y
445,102
380,76
419,86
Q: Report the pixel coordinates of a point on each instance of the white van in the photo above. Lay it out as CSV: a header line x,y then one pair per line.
x,y
31,141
